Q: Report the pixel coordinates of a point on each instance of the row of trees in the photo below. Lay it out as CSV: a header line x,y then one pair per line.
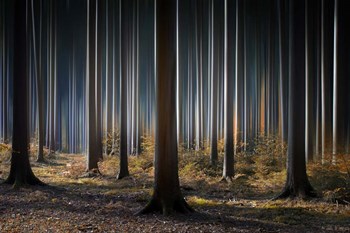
x,y
294,57
259,31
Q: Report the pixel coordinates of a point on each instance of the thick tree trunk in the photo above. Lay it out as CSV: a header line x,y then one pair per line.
x,y
20,171
297,184
167,196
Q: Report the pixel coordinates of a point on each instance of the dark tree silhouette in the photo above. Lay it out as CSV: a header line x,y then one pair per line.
x,y
228,169
38,80
21,172
341,80
167,196
92,142
123,146
100,25
297,184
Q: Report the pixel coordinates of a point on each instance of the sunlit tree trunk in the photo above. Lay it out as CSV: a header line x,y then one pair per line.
x,y
167,196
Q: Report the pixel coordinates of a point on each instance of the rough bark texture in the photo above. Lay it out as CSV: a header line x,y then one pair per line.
x,y
167,196
21,172
123,148
297,184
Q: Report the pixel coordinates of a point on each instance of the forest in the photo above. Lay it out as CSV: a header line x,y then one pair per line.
x,y
174,116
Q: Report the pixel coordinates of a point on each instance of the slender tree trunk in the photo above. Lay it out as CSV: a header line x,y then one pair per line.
x,y
228,169
92,148
310,75
214,95
98,80
123,147
39,83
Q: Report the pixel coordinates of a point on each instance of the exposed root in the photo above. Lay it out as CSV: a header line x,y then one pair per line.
x,y
289,192
178,206
28,181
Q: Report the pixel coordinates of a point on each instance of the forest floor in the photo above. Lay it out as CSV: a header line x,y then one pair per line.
x,y
72,203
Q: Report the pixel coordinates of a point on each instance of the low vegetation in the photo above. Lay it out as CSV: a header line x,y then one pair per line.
x,y
76,204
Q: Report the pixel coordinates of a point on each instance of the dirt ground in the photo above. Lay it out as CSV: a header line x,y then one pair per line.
x,y
71,203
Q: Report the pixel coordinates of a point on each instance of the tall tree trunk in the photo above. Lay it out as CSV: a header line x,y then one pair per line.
x,y
214,95
228,169
98,80
92,149
20,171
326,74
39,82
297,183
310,74
341,79
123,147
167,195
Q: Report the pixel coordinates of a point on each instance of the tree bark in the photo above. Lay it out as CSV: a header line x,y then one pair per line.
x,y
123,147
39,82
92,149
297,184
228,169
20,171
214,94
167,196
341,79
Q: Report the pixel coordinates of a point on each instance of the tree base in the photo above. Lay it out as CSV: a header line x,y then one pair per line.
x,y
290,192
122,176
178,206
227,179
41,160
27,181
91,173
